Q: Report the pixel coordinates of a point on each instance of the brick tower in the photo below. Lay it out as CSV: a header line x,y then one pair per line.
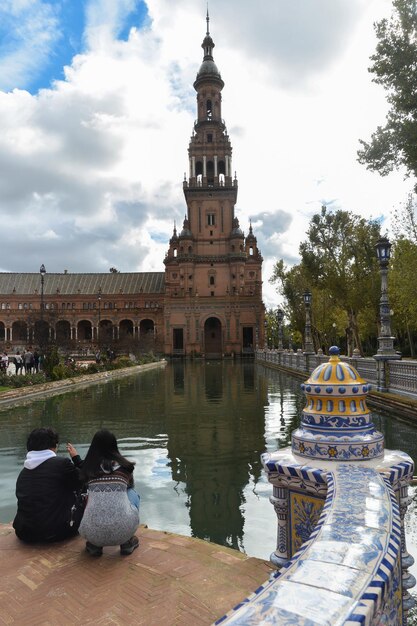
x,y
213,274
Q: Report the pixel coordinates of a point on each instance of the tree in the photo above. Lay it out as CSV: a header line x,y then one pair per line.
x,y
403,287
338,263
292,283
405,220
394,66
339,256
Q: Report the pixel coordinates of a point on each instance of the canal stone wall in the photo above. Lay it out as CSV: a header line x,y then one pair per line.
x,y
22,395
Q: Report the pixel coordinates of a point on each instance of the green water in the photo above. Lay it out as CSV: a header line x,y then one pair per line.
x,y
196,432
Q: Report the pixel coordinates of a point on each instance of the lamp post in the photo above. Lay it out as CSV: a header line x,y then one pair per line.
x,y
280,317
265,337
41,330
385,339
308,341
99,313
385,350
42,272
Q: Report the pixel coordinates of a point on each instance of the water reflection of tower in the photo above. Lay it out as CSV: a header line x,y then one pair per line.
x,y
224,426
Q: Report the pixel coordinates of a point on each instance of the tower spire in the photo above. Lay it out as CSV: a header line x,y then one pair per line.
x,y
208,21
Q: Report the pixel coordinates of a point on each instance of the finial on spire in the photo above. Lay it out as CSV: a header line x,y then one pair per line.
x,y
208,21
175,228
250,226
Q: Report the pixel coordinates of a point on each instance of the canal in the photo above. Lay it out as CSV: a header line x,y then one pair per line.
x,y
196,431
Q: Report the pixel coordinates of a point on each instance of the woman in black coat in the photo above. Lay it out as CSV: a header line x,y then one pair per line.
x,y
47,491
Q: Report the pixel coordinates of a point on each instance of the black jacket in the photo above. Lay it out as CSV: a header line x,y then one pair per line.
x,y
45,496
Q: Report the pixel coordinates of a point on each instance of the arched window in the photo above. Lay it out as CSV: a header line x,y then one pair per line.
x,y
209,109
199,172
211,280
210,172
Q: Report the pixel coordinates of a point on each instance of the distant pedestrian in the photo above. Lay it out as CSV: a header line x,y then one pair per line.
x,y
18,362
28,361
4,362
36,359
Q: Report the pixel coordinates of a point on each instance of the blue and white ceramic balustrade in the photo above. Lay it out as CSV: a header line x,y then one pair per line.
x,y
340,500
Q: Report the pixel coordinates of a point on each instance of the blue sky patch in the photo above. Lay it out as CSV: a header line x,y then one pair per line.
x,y
39,39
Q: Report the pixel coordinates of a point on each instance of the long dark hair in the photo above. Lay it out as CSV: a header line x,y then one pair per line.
x,y
103,450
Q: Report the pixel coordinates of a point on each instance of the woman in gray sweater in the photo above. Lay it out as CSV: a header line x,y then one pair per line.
x,y
111,515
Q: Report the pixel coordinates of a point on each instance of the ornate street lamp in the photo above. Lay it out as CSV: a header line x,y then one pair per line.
x,y
42,272
385,340
265,337
280,317
308,341
99,313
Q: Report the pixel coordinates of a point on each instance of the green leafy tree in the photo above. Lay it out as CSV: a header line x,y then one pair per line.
x,y
292,282
338,264
394,66
339,256
403,288
404,223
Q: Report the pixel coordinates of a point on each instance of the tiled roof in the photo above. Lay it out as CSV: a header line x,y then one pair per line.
x,y
68,283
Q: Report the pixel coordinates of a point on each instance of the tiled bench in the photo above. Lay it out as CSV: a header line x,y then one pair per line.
x,y
349,570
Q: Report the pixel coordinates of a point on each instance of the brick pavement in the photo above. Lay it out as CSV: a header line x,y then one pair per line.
x,y
170,580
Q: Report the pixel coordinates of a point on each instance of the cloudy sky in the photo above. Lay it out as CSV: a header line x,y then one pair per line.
x,y
97,108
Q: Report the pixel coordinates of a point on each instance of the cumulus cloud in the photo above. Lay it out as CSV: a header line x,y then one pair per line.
x,y
29,29
91,168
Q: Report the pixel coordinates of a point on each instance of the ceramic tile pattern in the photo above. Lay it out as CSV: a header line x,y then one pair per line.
x,y
345,572
346,543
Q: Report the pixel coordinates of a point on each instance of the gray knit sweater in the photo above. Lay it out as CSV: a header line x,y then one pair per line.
x,y
109,518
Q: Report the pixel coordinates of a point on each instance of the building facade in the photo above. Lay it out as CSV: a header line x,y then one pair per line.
x,y
208,302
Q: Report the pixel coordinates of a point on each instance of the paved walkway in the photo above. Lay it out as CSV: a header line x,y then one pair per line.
x,y
170,580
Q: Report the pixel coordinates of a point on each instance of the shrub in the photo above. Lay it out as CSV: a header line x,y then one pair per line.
x,y
61,371
93,368
121,361
50,361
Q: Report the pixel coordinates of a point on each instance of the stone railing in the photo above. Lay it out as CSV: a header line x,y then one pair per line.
x,y
401,375
348,570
